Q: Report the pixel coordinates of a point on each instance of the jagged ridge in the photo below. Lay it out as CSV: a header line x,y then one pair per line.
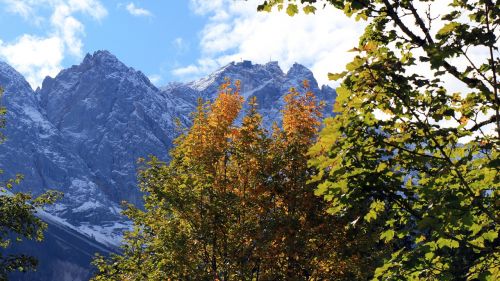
x,y
83,131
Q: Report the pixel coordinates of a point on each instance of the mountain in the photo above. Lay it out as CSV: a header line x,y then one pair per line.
x,y
268,83
65,254
47,158
83,131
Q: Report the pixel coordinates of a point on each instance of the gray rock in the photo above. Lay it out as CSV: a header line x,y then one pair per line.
x,y
84,130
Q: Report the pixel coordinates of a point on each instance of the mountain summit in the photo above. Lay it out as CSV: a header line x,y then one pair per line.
x,y
83,130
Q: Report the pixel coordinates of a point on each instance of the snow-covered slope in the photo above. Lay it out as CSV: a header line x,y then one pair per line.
x,y
84,130
39,150
110,115
268,83
64,255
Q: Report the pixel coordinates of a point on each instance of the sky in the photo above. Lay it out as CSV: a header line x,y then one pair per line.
x,y
170,40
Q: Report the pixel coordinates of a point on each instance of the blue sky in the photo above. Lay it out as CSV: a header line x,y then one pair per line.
x,y
169,40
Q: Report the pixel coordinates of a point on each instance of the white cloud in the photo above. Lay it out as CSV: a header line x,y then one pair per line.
x,y
39,56
21,8
201,7
236,31
190,70
155,78
34,57
203,66
91,7
136,11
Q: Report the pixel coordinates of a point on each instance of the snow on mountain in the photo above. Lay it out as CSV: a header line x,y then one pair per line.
x,y
84,130
268,83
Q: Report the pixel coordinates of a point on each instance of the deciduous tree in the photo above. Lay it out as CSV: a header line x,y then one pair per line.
x,y
417,134
234,203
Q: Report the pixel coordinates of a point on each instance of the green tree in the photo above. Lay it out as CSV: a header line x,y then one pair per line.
x,y
406,147
18,218
234,203
192,227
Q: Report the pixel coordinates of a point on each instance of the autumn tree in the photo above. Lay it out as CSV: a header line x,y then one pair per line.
x,y
193,228
18,218
306,244
234,203
417,133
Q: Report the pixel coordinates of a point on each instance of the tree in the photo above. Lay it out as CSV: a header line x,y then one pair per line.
x,y
234,203
307,244
406,146
18,218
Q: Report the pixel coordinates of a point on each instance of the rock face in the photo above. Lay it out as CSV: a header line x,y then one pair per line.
x,y
64,255
268,83
84,130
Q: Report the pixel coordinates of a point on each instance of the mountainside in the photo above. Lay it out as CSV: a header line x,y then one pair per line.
x,y
83,131
65,254
268,83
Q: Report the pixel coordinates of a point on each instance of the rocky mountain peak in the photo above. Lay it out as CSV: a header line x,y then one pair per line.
x,y
10,77
298,73
88,126
102,58
100,75
252,75
274,68
298,69
7,70
101,65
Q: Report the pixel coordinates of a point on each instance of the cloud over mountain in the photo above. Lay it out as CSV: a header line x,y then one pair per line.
x,y
235,31
37,56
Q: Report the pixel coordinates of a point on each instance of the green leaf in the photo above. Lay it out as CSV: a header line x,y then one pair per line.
x,y
381,166
355,64
443,242
309,9
490,235
292,10
265,7
429,255
387,235
420,239
475,228
448,28
321,190
370,46
336,76
361,16
376,207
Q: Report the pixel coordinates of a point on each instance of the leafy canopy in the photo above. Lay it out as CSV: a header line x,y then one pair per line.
x,y
234,203
416,137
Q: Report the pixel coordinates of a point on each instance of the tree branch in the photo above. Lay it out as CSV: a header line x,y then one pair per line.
x,y
476,127
420,23
493,68
475,67
427,46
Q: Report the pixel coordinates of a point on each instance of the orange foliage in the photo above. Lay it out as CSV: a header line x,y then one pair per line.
x,y
302,115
